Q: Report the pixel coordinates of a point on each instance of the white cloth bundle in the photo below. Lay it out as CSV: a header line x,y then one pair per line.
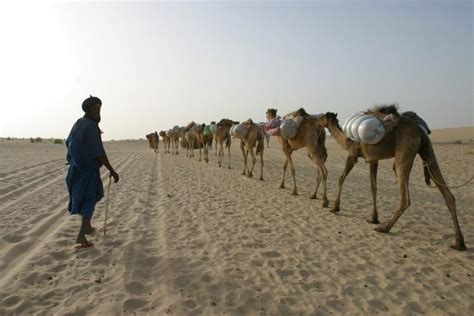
x,y
239,130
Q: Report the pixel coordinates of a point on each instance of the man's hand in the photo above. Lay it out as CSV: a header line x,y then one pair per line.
x,y
115,176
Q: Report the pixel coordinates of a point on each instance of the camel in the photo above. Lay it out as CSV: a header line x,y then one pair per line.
x,y
253,138
174,135
311,135
182,138
166,141
153,141
221,136
190,135
202,140
403,143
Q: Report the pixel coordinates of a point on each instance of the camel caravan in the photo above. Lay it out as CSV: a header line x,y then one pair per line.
x,y
381,132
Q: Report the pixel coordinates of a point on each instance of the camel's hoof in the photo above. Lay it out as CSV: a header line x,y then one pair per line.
x,y
335,209
325,203
250,175
261,178
294,193
313,197
243,173
282,186
382,229
459,246
373,221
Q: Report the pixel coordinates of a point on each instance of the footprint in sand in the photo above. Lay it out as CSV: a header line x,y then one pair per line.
x,y
135,288
189,304
11,301
133,304
11,239
271,254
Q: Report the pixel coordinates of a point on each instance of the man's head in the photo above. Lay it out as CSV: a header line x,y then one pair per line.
x,y
271,113
92,106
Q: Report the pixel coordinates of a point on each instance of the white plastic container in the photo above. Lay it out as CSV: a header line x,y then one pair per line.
x,y
364,128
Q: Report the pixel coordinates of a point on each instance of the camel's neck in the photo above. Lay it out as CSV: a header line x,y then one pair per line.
x,y
338,134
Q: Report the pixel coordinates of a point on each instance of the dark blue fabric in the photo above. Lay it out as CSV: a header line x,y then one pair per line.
x,y
83,180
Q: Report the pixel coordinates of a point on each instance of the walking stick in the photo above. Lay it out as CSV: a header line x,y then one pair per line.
x,y
107,206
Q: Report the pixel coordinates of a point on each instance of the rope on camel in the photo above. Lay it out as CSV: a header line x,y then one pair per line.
x,y
427,164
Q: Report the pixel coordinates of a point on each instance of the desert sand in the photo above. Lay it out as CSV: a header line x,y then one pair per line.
x,y
185,237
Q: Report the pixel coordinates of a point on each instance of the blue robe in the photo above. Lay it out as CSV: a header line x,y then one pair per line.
x,y
83,180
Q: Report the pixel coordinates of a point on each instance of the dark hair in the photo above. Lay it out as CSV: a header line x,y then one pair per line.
x,y
272,111
89,102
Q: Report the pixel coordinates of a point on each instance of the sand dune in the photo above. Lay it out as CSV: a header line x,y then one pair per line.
x,y
189,238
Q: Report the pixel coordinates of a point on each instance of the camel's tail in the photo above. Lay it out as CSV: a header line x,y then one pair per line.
x,y
321,141
426,153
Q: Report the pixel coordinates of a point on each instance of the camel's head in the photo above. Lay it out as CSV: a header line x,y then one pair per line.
x,y
330,117
301,112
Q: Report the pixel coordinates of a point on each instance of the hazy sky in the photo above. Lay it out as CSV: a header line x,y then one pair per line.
x,y
160,64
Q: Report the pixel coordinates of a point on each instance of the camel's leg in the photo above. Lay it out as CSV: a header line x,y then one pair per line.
x,y
450,202
288,152
261,165
199,152
220,155
228,151
324,173
293,174
318,182
206,153
244,153
282,184
350,162
403,171
312,156
373,187
254,160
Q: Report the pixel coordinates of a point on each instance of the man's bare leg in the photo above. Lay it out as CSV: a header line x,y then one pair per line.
x,y
81,238
89,229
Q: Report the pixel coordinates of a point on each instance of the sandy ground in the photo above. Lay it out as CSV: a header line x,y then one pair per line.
x,y
189,238
453,135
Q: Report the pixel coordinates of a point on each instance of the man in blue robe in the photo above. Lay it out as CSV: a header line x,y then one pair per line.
x,y
86,155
